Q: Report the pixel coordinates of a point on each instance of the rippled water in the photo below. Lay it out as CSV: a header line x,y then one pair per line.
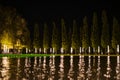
x,y
60,68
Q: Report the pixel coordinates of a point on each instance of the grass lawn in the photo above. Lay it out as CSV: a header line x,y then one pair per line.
x,y
47,55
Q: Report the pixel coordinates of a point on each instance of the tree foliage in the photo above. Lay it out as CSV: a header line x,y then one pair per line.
x,y
75,36
15,26
85,34
95,32
55,38
36,41
105,36
46,37
65,38
115,33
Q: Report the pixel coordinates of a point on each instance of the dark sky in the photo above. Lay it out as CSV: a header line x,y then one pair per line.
x,y
44,11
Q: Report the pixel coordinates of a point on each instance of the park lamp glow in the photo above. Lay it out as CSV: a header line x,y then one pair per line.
x,y
53,50
62,50
71,50
118,49
50,50
44,50
80,49
40,50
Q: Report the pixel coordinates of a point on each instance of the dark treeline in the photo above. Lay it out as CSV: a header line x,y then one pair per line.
x,y
14,33
99,34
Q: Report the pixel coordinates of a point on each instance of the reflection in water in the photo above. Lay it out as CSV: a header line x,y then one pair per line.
x,y
107,75
52,68
81,68
118,68
71,71
5,69
60,68
89,71
98,68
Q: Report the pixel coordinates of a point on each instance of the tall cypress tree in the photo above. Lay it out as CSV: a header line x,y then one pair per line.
x,y
115,33
85,34
65,42
36,41
55,38
75,36
46,37
105,37
95,32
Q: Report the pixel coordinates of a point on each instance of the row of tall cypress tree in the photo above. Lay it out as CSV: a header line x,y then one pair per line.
x,y
78,36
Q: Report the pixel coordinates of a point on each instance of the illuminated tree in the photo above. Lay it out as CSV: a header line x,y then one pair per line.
x,y
36,41
65,38
55,38
105,37
95,32
85,34
13,29
46,37
75,37
115,33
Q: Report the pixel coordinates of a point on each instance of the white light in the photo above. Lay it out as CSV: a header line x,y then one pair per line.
x,y
35,50
117,48
98,49
62,51
26,50
50,50
44,50
5,49
89,49
80,49
108,49
40,50
53,50
71,50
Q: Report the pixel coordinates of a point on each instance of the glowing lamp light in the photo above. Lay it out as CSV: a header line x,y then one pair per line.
x,y
89,49
108,49
35,50
5,49
71,50
62,51
44,50
50,50
40,50
118,49
53,50
80,49
98,49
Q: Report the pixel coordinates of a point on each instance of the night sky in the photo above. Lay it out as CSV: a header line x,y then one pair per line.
x,y
46,11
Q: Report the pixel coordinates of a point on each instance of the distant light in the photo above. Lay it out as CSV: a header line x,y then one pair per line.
x,y
108,49
40,50
98,49
44,50
62,51
50,50
80,49
53,50
89,49
118,49
71,50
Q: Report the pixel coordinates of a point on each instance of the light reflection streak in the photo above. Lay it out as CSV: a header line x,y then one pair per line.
x,y
71,71
108,75
61,66
5,70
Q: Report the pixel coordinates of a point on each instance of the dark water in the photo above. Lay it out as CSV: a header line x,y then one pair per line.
x,y
60,68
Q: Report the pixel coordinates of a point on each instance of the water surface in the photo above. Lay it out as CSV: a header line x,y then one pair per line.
x,y
60,68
